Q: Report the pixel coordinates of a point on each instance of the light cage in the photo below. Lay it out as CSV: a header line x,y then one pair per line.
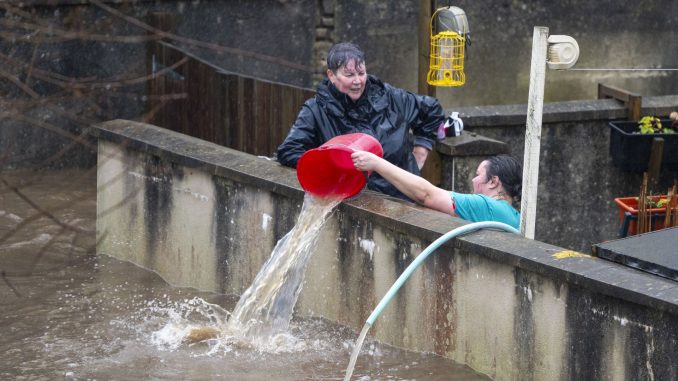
x,y
446,66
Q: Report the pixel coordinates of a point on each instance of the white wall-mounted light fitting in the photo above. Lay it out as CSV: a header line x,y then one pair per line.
x,y
562,53
557,52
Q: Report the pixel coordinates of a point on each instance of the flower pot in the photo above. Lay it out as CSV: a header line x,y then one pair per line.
x,y
631,151
628,215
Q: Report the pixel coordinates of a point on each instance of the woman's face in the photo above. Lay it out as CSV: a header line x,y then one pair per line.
x,y
480,183
350,79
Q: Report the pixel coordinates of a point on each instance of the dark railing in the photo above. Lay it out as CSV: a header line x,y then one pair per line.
x,y
191,96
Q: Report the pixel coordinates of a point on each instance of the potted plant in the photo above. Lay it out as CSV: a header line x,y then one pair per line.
x,y
631,142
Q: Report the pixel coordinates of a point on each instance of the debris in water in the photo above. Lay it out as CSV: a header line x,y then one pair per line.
x,y
200,334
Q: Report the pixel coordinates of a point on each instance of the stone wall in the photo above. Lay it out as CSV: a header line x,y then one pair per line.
x,y
205,216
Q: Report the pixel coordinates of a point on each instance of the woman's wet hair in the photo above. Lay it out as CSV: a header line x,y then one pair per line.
x,y
510,173
342,53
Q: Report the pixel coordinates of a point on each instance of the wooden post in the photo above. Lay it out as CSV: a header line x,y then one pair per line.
x,y
655,164
535,105
426,9
632,101
433,166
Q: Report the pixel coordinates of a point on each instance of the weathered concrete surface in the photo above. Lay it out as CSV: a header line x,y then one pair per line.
x,y
206,216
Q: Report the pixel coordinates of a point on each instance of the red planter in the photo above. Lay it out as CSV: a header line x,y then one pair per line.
x,y
628,215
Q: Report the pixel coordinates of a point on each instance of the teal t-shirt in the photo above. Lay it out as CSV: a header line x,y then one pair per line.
x,y
478,207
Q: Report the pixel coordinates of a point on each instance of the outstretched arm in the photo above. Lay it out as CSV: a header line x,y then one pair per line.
x,y
413,186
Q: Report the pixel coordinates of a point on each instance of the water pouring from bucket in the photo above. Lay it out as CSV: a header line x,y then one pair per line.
x,y
328,176
328,171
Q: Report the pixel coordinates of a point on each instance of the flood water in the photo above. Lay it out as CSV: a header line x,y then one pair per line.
x,y
69,314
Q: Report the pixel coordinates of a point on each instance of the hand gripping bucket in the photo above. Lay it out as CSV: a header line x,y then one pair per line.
x,y
329,171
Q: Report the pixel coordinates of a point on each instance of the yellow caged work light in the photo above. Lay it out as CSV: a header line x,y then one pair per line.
x,y
446,67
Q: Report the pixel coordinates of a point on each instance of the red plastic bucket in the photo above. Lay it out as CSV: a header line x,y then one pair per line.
x,y
329,171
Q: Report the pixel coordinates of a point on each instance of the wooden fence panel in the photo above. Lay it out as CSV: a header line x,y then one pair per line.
x,y
247,116
167,88
275,119
200,100
262,127
229,99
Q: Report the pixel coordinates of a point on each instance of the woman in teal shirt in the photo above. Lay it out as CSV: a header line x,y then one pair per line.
x,y
497,186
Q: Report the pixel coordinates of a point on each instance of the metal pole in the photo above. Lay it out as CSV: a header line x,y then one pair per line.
x,y
535,105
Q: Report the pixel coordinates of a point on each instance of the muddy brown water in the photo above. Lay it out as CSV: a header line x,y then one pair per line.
x,y
67,313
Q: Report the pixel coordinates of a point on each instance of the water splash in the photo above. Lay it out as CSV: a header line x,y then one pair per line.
x,y
261,318
196,324
182,319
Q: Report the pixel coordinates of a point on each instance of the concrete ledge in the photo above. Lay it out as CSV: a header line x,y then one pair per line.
x,y
508,307
470,144
200,154
569,111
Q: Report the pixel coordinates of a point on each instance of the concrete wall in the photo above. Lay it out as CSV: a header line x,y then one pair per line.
x,y
207,217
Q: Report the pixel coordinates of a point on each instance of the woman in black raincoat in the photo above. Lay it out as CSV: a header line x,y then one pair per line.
x,y
349,100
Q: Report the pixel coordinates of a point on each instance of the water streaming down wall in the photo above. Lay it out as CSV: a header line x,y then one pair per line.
x,y
266,307
509,307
